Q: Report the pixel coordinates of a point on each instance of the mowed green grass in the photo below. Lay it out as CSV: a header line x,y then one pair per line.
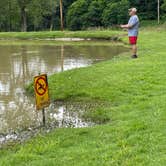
x,y
136,132
96,34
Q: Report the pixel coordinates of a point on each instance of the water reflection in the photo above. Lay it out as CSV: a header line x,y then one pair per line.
x,y
62,58
18,66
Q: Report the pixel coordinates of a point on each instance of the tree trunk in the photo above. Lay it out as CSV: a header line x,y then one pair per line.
x,y
52,15
61,15
52,23
10,24
23,20
158,10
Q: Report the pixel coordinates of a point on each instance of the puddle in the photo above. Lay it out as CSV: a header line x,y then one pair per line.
x,y
67,116
58,115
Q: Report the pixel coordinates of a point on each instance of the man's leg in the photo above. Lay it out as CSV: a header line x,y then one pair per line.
x,y
133,42
134,51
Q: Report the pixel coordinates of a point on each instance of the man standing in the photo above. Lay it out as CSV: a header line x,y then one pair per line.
x,y
133,28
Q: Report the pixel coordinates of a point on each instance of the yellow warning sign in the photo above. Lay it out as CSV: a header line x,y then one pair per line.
x,y
41,91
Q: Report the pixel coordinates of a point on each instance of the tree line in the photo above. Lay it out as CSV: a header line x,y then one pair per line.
x,y
37,15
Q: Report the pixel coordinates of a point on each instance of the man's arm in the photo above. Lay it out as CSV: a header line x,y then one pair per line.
x,y
127,26
131,23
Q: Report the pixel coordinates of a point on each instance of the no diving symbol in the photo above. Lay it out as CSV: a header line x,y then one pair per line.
x,y
41,86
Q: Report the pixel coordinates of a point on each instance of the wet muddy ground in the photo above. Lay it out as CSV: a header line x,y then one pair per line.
x,y
58,115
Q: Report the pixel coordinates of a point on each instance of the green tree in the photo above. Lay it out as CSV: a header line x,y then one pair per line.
x,y
77,15
23,5
147,8
9,16
163,7
42,15
16,15
115,13
95,11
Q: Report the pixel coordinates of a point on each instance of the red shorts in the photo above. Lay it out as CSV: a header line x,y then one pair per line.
x,y
133,40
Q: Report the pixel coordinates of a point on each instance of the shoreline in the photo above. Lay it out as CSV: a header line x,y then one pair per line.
x,y
65,35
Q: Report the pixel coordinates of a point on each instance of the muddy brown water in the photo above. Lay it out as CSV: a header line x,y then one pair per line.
x,y
18,66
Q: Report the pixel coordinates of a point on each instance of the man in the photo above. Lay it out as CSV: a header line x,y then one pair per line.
x,y
133,28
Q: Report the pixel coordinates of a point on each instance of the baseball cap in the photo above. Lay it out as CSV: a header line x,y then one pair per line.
x,y
133,9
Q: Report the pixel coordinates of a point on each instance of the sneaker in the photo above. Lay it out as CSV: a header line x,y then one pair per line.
x,y
134,56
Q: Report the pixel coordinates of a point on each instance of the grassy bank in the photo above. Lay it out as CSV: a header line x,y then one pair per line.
x,y
107,34
136,133
95,34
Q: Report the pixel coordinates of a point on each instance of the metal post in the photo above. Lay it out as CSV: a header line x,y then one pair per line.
x,y
44,117
43,113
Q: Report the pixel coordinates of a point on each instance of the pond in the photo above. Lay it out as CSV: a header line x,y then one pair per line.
x,y
20,63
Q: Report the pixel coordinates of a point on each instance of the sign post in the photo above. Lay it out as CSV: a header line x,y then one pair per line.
x,y
44,117
41,94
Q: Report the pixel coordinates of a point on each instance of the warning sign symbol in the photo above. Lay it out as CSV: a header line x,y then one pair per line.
x,y
41,86
41,91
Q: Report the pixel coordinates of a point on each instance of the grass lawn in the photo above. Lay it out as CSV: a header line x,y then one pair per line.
x,y
136,132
